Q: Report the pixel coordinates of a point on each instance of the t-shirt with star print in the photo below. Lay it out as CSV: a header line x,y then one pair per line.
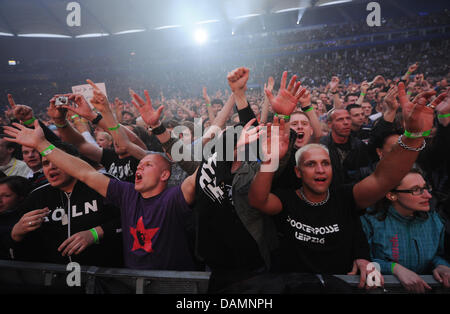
x,y
154,229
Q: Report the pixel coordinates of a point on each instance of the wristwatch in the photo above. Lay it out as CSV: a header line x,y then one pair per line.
x,y
160,129
97,119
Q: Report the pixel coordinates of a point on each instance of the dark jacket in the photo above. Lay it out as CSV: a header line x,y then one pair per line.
x,y
346,165
88,209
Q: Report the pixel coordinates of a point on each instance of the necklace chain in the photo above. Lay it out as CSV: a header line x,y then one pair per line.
x,y
314,203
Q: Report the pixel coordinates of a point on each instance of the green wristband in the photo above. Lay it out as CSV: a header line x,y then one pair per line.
x,y
282,116
61,126
208,105
444,115
417,134
114,128
307,108
48,150
28,122
409,73
363,94
95,235
408,92
392,267
75,116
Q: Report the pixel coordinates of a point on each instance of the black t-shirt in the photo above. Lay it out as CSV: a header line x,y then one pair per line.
x,y
322,239
124,169
222,240
288,179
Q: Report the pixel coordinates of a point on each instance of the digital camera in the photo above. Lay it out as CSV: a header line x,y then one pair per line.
x,y
61,100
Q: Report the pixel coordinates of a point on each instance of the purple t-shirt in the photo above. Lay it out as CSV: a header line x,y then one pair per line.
x,y
153,229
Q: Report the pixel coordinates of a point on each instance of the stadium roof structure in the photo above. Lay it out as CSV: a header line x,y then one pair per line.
x,y
48,18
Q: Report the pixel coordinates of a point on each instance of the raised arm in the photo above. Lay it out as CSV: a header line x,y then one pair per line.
x,y
337,103
443,109
391,104
410,71
237,80
188,188
220,120
208,105
274,146
305,103
266,102
69,134
74,166
394,166
363,92
113,127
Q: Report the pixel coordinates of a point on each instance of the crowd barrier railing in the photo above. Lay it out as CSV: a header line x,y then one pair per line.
x,y
17,277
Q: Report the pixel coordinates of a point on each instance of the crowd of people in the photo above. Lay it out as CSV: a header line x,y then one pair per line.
x,y
342,175
159,68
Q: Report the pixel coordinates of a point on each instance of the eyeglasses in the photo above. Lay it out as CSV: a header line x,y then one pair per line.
x,y
415,191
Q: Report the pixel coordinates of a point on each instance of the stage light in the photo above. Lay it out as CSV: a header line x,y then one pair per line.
x,y
92,35
130,31
200,36
44,35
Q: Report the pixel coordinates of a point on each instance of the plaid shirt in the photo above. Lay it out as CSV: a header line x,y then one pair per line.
x,y
414,243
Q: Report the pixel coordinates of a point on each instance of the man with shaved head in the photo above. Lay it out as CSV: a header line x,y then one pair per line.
x,y
318,222
348,153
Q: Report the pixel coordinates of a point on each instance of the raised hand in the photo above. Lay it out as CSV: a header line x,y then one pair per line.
x,y
270,84
248,134
391,99
118,103
364,87
57,113
275,145
20,112
205,96
378,80
237,79
418,79
99,101
145,108
334,83
442,103
82,107
417,116
305,100
413,67
287,98
25,136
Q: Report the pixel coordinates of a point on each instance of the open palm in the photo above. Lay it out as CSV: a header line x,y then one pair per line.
x,y
145,108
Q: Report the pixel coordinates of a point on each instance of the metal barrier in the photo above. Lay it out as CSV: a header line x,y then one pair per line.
x,y
39,278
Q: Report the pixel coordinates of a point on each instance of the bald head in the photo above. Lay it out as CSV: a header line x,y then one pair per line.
x,y
162,161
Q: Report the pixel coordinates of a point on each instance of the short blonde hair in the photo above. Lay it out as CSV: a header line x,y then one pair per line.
x,y
299,153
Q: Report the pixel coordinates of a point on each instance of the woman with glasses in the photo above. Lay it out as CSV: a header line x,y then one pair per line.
x,y
406,237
